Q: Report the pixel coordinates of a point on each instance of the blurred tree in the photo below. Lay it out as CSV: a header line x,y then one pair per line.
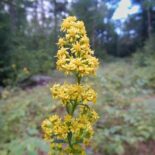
x,y
17,13
147,16
59,9
137,28
30,27
100,28
92,13
4,41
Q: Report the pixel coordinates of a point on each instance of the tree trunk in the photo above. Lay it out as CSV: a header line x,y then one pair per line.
x,y
13,15
149,26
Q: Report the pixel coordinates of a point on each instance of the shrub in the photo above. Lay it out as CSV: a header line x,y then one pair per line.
x,y
27,63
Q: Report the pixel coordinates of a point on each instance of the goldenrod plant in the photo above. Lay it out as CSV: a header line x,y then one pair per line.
x,y
70,134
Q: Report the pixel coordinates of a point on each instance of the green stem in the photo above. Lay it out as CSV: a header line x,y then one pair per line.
x,y
85,106
78,78
74,107
69,136
70,107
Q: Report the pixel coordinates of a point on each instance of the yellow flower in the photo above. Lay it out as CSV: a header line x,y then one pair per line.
x,y
13,66
61,42
70,19
74,57
84,40
62,53
76,47
54,118
67,23
94,115
72,32
75,44
80,25
26,71
73,92
68,118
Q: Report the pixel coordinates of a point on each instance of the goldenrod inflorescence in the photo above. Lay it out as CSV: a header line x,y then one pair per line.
x,y
68,135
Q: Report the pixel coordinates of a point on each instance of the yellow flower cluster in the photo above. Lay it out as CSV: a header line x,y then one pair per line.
x,y
59,128
73,92
74,54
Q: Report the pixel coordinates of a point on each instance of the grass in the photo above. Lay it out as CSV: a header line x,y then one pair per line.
x,y
124,105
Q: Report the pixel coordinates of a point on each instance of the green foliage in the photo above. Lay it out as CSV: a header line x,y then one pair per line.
x,y
27,63
144,56
27,36
145,61
24,44
124,121
4,46
20,118
29,145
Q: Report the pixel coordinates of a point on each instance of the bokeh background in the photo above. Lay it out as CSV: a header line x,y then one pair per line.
x,y
122,34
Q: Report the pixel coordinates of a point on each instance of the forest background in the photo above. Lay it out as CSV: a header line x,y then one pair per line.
x,y
125,46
